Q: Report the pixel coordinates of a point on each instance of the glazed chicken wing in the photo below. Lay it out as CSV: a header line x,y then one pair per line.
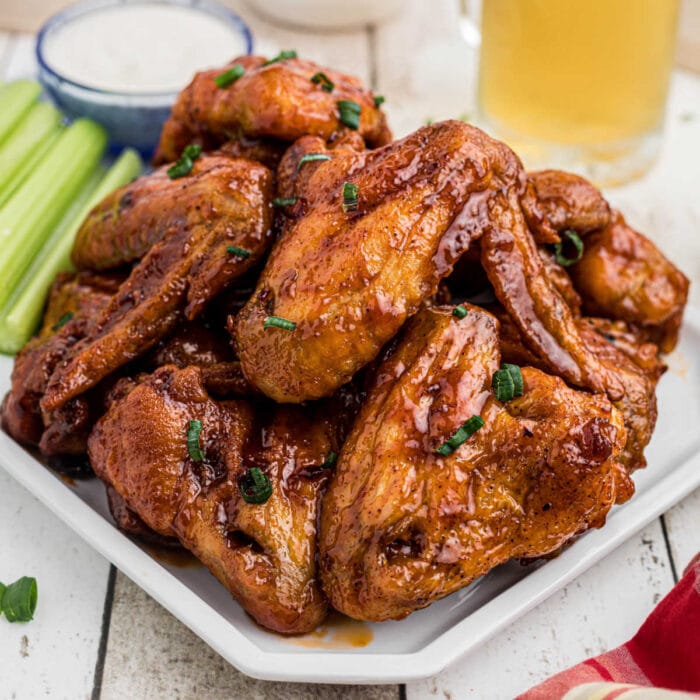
x,y
125,225
635,363
277,100
264,553
349,273
623,275
403,526
75,301
178,276
569,201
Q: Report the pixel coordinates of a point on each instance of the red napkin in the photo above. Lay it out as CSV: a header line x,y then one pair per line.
x,y
665,652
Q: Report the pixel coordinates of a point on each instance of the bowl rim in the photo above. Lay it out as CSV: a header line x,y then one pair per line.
x,y
83,7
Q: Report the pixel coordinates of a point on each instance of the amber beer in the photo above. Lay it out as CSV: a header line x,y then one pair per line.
x,y
578,79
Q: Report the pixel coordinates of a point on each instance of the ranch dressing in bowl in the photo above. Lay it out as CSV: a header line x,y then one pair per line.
x,y
140,48
122,62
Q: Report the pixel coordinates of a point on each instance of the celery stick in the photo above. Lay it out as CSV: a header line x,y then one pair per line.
x,y
24,309
36,207
15,100
28,166
42,120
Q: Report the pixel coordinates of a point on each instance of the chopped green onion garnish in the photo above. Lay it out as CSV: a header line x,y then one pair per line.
x,y
349,113
278,322
379,100
193,430
186,162
559,249
517,377
459,311
229,76
3,588
310,157
350,192
502,384
19,600
468,428
507,382
323,80
282,56
62,321
256,487
235,250
284,201
330,460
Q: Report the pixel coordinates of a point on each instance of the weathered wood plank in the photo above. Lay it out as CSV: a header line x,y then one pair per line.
x,y
150,655
683,529
54,654
598,611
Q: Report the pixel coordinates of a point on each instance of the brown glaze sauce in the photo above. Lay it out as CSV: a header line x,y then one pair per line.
x,y
173,557
336,632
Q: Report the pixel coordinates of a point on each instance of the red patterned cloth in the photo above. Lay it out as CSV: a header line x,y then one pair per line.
x,y
665,652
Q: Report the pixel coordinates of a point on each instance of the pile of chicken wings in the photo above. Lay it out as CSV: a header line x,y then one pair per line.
x,y
346,371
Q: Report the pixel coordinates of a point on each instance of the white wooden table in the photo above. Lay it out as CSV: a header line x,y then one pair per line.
x,y
97,635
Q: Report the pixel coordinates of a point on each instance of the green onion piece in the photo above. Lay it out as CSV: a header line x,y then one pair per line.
x,y
324,81
278,322
3,588
311,157
459,311
507,382
502,384
16,98
468,428
195,451
349,113
330,460
229,76
19,600
516,376
21,315
256,487
281,56
235,250
350,193
379,100
284,201
62,321
559,248
27,219
186,161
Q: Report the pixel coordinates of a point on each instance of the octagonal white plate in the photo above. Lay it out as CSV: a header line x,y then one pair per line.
x,y
427,641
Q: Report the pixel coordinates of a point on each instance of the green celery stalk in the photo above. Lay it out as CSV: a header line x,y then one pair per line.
x,y
29,166
37,206
41,121
24,309
15,100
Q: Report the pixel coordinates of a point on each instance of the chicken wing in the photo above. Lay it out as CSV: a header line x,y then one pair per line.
x,y
263,553
75,301
177,276
623,275
635,363
569,201
402,526
349,274
277,100
125,225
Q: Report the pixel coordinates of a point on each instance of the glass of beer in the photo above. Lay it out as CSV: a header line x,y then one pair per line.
x,y
578,84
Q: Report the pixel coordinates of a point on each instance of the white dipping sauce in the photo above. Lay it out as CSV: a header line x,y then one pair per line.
x,y
141,48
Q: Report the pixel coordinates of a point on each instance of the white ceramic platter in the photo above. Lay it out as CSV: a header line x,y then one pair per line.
x,y
427,641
